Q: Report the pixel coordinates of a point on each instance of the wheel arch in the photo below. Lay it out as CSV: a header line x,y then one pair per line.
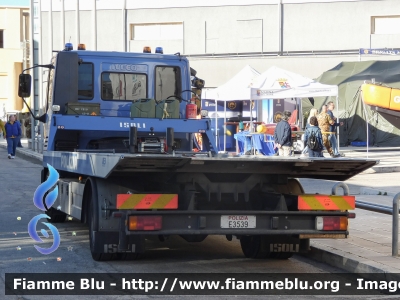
x,y
293,186
89,193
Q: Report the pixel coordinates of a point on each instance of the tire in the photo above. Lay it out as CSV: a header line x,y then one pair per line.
x,y
93,219
127,256
293,187
281,255
252,246
55,215
257,247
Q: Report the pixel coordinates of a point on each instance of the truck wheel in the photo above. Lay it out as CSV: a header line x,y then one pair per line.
x,y
252,247
56,215
281,255
293,187
127,256
93,227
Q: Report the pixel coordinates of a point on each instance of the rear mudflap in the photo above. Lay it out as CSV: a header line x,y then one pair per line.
x,y
107,242
284,244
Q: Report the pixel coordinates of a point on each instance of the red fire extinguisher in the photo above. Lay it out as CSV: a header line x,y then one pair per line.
x,y
191,109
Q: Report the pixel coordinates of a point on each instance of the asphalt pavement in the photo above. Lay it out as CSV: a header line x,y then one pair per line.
x,y
368,249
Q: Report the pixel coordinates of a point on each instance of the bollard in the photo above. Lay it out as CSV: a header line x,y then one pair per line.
x,y
40,145
343,186
395,228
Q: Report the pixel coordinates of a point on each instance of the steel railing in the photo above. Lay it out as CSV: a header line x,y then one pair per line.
x,y
379,209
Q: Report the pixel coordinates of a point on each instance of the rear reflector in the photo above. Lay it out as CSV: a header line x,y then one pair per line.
x,y
145,222
147,201
331,223
326,202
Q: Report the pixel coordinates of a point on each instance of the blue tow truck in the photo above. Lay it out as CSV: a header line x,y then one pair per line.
x,y
137,158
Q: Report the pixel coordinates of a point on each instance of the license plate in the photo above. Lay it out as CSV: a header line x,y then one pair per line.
x,y
238,221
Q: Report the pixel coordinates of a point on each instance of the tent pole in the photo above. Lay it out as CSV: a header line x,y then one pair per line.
x,y
216,125
366,122
338,121
224,126
251,115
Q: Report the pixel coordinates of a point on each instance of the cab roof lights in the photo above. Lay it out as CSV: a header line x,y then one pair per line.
x,y
160,50
68,47
81,47
146,49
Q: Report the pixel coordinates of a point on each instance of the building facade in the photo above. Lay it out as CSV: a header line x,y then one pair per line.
x,y
14,52
303,36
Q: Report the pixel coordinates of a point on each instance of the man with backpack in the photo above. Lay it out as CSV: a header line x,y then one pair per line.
x,y
313,138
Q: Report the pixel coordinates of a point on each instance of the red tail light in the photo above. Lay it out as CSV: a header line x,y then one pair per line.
x,y
331,223
145,222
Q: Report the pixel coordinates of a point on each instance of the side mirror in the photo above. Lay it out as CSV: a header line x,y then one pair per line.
x,y
24,85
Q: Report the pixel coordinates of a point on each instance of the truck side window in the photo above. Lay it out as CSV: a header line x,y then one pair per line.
x,y
123,86
85,81
168,82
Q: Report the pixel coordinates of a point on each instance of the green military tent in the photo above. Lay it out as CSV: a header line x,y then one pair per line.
x,y
383,130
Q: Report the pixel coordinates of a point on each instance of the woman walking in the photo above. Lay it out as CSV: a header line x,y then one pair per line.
x,y
13,136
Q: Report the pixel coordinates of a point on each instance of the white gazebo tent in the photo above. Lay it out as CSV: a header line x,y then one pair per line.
x,y
237,88
276,83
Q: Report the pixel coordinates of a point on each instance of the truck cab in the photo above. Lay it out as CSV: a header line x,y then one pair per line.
x,y
149,92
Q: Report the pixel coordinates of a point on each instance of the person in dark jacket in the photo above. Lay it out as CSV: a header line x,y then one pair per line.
x,y
13,135
313,113
332,135
314,128
19,142
283,135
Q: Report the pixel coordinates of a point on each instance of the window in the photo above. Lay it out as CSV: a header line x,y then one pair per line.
x,y
168,82
123,86
85,81
35,9
1,38
385,25
166,31
3,87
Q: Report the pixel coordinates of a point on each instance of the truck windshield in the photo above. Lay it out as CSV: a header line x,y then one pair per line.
x,y
168,82
123,86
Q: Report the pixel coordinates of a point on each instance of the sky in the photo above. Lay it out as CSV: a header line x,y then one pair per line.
x,y
15,3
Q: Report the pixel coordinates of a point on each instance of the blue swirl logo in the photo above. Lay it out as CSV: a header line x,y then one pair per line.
x,y
45,205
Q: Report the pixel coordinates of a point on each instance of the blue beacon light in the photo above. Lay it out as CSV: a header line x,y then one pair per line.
x,y
160,50
68,47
